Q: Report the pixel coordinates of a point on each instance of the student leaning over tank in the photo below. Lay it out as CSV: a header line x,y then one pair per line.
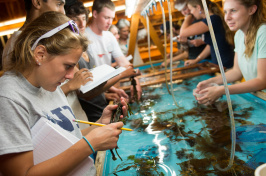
x,y
224,37
44,56
248,19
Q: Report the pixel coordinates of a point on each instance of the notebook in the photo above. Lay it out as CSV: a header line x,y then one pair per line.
x,y
100,75
50,140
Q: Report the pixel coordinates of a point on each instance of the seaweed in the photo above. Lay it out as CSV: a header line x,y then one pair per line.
x,y
214,146
143,166
212,140
116,118
135,92
138,125
183,153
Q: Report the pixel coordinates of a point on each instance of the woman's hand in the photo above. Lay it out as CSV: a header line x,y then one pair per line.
x,y
129,72
202,85
108,111
119,92
111,96
196,42
210,94
81,77
182,40
167,63
138,88
190,62
106,137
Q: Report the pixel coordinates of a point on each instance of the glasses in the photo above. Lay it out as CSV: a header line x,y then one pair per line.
x,y
50,33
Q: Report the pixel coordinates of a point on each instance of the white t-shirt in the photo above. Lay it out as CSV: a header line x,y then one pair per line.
x,y
103,48
137,59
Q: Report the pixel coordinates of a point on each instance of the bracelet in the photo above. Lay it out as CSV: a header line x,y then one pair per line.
x,y
89,144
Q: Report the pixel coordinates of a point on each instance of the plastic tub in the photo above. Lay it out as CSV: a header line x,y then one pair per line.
x,y
261,170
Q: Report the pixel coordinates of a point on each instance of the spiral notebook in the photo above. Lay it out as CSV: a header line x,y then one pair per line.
x,y
50,140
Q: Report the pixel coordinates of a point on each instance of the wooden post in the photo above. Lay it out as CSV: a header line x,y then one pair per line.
x,y
133,34
156,40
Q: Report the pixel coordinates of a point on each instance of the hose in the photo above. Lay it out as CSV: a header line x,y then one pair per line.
x,y
165,45
171,51
233,132
149,41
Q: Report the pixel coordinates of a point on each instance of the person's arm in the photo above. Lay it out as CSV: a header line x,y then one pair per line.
x,y
59,165
119,92
196,42
139,90
138,87
187,29
111,96
114,64
231,75
204,54
181,56
122,61
101,138
258,83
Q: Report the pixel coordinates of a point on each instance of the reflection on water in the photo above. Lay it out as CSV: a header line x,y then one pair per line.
x,y
191,139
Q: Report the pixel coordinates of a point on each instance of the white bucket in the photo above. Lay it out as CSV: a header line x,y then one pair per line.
x,y
261,170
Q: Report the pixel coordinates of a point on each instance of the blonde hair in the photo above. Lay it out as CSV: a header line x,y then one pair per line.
x,y
61,43
113,26
257,19
217,10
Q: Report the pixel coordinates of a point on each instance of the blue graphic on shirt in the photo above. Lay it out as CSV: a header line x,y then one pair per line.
x,y
70,110
64,122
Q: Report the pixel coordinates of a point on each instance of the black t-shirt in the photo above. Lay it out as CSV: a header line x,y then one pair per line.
x,y
226,50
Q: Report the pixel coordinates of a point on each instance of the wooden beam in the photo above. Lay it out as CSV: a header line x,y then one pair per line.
x,y
3,41
99,163
204,68
155,38
133,34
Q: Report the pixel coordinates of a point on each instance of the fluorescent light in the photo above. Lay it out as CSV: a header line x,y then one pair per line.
x,y
131,6
88,4
18,20
120,8
7,32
